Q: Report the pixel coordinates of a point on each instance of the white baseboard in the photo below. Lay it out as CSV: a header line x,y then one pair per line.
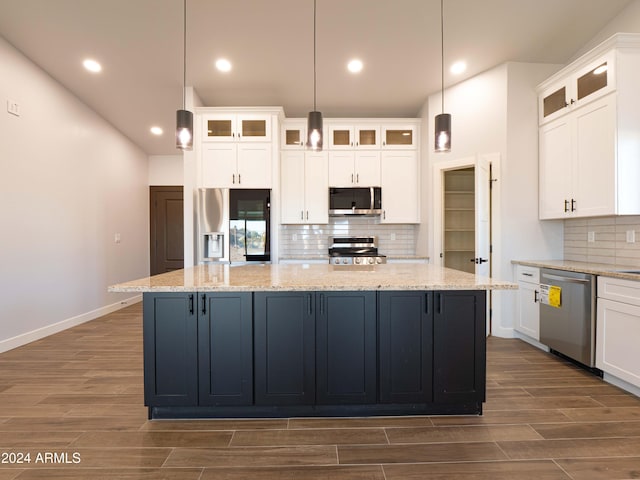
x,y
28,337
621,384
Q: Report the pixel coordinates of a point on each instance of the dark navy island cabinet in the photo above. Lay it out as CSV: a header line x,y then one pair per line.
x,y
198,349
406,346
237,354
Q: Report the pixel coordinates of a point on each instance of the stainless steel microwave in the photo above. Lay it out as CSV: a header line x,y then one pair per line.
x,y
355,201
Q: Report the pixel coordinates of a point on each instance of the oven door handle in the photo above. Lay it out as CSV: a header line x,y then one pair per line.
x,y
564,279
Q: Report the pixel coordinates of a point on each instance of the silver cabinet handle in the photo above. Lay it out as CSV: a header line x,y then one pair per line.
x,y
357,178
233,178
307,214
352,178
301,214
239,181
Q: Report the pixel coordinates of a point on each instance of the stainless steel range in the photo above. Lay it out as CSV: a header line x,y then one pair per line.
x,y
355,251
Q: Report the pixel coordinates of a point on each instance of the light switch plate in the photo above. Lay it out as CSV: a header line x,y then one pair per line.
x,y
591,237
13,108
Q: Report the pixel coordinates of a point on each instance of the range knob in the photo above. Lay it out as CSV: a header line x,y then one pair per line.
x,y
358,260
344,261
370,261
336,261
378,260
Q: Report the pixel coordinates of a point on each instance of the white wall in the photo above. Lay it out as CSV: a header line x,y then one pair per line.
x,y
496,112
69,182
166,170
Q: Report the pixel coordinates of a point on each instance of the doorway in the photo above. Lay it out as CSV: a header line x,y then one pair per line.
x,y
463,216
166,224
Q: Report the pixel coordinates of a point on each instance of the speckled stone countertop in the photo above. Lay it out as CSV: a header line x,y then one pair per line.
x,y
312,277
603,269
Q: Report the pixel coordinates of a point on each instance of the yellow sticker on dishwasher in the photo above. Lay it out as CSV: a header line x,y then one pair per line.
x,y
555,296
550,295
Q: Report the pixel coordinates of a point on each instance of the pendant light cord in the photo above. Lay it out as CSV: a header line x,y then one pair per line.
x,y
184,56
314,55
442,48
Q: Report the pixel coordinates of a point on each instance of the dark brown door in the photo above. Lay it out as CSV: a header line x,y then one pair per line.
x,y
167,229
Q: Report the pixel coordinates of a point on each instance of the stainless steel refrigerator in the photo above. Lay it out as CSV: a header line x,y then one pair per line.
x,y
234,225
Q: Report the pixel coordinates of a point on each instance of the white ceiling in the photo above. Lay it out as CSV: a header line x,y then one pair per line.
x,y
270,43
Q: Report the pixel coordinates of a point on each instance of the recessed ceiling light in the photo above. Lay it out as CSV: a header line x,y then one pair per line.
x,y
223,65
458,67
92,65
156,130
355,66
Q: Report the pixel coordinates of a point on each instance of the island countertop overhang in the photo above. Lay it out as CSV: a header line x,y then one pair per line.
x,y
311,277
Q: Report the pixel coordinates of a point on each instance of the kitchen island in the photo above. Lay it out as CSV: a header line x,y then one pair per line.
x,y
309,340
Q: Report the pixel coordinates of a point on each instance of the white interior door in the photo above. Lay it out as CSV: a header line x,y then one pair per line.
x,y
483,215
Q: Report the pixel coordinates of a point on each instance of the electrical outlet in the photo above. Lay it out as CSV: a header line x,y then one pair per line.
x,y
591,237
13,108
393,236
117,238
631,236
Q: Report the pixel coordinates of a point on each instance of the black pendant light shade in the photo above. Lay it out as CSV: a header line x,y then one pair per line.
x,y
314,131
184,118
442,141
184,130
314,121
443,132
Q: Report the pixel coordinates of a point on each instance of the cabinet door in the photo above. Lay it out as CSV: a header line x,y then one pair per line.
x,y
293,135
253,128
346,348
316,185
219,167
528,319
617,340
341,169
341,137
399,136
292,187
367,169
225,349
219,128
284,348
594,176
254,166
400,191
170,349
406,347
367,137
459,346
556,166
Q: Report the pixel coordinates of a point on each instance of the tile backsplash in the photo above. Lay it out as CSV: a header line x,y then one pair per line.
x,y
603,240
300,241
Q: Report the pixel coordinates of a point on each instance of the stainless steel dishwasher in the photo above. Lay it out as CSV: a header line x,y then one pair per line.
x,y
567,314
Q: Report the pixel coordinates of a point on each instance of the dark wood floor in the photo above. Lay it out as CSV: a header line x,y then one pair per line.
x,y
77,397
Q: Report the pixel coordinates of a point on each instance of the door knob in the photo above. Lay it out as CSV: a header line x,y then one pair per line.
x,y
478,260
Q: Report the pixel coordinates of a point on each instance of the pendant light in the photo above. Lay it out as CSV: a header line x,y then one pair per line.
x,y
184,118
443,121
314,121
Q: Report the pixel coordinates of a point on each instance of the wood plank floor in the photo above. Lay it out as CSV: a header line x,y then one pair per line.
x,y
74,402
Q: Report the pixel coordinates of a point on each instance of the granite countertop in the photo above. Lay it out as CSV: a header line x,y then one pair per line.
x,y
603,269
312,277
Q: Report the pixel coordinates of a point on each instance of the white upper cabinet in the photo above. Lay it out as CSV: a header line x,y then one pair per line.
x,y
304,195
586,83
399,136
349,136
588,150
236,147
354,169
400,187
245,127
293,134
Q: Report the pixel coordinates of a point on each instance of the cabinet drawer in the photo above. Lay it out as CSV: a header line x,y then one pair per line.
x,y
527,274
619,290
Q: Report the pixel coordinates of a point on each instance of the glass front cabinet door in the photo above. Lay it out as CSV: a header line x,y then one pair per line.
x,y
243,128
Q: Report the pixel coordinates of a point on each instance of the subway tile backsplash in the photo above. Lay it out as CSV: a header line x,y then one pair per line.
x,y
603,240
308,241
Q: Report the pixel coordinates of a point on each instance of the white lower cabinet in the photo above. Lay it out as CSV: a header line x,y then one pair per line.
x,y
304,187
618,329
528,306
